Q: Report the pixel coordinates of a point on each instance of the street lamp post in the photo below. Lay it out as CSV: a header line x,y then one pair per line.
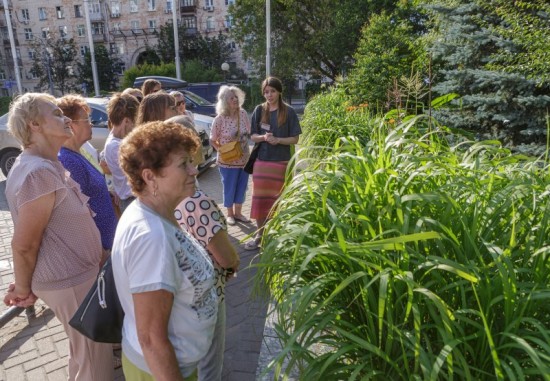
x,y
225,68
7,12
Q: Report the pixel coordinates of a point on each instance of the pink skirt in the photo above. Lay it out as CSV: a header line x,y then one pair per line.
x,y
267,183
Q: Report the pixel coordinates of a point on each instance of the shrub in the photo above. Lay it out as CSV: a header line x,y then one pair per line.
x,y
329,116
166,70
5,104
406,258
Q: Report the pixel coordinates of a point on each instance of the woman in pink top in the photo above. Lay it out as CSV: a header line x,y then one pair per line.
x,y
232,124
56,245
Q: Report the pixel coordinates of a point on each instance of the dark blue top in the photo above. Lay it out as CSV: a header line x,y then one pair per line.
x,y
279,152
92,184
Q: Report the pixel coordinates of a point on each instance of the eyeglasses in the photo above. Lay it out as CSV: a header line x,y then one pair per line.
x,y
89,120
179,103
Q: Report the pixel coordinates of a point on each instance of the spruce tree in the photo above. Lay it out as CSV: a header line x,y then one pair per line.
x,y
497,104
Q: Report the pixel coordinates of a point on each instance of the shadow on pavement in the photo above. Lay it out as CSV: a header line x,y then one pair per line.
x,y
25,330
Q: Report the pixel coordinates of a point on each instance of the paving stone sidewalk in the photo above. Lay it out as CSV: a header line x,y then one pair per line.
x,y
38,349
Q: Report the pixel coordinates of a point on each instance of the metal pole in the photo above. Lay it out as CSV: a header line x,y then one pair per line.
x,y
268,38
12,44
49,67
176,38
12,312
91,43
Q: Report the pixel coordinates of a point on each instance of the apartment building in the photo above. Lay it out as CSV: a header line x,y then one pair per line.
x,y
124,27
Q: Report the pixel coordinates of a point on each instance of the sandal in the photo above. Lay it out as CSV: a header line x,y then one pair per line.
x,y
242,218
253,244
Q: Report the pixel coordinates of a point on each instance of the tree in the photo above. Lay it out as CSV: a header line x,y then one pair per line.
x,y
504,105
210,51
318,36
525,43
108,67
390,49
54,63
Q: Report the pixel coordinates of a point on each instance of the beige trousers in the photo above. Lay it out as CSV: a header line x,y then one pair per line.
x,y
88,360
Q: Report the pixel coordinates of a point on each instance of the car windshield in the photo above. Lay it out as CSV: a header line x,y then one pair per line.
x,y
198,100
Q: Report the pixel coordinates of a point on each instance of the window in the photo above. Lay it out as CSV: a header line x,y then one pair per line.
x,y
120,69
81,30
133,6
32,54
116,48
115,7
45,32
151,5
78,11
42,14
62,31
94,7
169,6
59,12
98,28
152,24
134,24
210,23
28,34
25,14
229,2
116,26
188,3
83,50
208,3
228,21
189,22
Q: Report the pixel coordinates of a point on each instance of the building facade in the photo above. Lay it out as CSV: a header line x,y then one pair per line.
x,y
124,27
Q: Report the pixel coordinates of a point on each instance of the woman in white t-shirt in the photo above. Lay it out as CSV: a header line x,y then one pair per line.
x,y
164,278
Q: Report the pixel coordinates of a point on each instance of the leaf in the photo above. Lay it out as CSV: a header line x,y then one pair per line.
x,y
443,100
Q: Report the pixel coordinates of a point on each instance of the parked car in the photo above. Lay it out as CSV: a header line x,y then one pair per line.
x,y
10,148
193,102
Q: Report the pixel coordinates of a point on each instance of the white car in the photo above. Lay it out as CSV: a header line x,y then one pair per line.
x,y
10,148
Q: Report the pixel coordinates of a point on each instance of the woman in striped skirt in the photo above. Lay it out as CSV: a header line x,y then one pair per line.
x,y
276,126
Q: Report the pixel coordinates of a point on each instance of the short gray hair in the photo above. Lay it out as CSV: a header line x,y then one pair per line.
x,y
222,107
23,110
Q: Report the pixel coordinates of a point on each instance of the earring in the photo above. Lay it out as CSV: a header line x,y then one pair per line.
x,y
155,192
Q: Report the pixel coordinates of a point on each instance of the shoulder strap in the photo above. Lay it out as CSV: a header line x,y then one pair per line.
x,y
238,125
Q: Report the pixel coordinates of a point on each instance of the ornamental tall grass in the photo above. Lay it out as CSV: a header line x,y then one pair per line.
x,y
399,257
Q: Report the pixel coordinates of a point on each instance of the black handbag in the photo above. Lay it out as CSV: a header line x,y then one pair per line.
x,y
100,314
249,166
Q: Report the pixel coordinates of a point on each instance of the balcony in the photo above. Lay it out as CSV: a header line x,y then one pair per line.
x,y
191,31
98,37
189,8
96,16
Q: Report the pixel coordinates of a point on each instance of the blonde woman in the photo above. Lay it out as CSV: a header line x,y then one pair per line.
x,y
232,124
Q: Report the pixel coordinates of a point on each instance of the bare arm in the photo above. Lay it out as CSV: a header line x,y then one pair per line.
x,y
152,311
29,229
223,251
